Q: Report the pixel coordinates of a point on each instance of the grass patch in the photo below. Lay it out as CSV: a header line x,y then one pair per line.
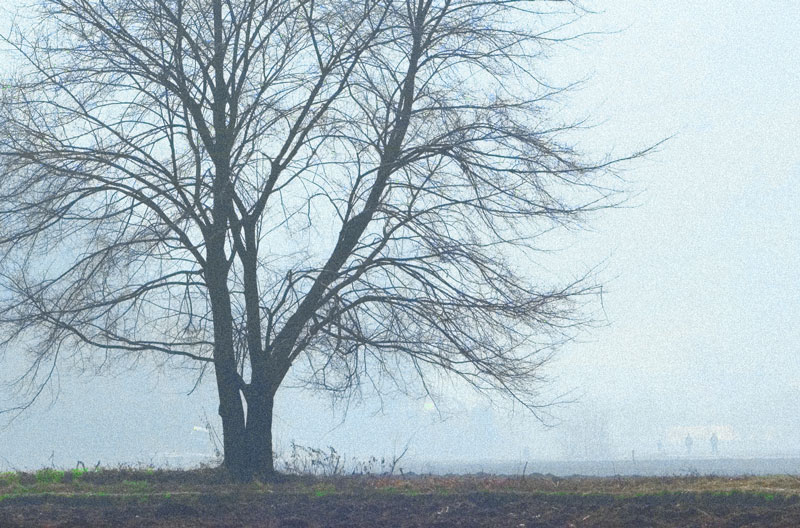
x,y
9,478
77,473
49,476
136,486
324,489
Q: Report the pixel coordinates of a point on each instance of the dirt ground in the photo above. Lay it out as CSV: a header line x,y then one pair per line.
x,y
156,499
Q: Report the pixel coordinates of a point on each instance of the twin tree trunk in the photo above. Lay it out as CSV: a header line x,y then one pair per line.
x,y
247,437
247,431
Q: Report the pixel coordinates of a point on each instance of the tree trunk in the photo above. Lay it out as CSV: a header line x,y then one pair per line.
x,y
259,430
248,449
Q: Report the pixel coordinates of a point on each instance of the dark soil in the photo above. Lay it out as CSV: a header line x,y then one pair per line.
x,y
478,509
128,497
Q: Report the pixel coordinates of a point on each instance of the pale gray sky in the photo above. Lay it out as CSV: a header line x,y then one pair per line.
x,y
702,278
704,306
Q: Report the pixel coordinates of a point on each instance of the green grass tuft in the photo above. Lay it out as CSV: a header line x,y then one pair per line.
x,y
9,478
324,489
49,476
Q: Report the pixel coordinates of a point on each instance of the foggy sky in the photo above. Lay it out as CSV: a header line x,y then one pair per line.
x,y
701,301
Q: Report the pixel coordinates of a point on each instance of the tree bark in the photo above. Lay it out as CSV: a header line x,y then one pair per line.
x,y
259,431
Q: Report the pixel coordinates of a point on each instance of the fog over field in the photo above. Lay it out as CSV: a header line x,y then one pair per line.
x,y
697,333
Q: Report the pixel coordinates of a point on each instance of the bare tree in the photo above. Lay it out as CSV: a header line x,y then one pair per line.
x,y
344,188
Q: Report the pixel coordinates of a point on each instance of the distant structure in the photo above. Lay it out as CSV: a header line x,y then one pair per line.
x,y
714,444
688,443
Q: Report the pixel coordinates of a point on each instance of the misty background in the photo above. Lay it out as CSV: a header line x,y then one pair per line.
x,y
698,327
